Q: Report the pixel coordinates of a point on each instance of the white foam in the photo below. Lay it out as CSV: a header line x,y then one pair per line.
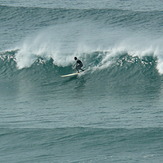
x,y
41,45
63,43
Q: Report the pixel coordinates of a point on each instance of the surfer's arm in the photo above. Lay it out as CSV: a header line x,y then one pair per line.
x,y
74,66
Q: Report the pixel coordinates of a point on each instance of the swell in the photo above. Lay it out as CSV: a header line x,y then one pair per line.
x,y
45,16
62,143
68,133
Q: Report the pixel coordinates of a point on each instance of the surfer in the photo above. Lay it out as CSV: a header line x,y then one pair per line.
x,y
78,64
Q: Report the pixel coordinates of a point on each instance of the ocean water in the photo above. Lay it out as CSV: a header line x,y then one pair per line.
x,y
112,113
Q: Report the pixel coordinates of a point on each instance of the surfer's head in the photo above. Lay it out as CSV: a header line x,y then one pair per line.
x,y
75,58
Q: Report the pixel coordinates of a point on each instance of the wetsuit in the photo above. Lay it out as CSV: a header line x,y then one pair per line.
x,y
79,65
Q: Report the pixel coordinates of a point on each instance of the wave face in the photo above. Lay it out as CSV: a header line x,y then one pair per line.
x,y
113,63
119,71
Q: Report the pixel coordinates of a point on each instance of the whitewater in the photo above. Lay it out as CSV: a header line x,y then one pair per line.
x,y
113,112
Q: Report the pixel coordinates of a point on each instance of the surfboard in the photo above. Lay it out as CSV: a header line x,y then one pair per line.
x,y
68,75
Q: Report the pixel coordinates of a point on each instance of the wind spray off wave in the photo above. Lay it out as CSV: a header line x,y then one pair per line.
x,y
52,43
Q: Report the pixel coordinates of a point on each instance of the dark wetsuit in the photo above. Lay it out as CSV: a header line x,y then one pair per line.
x,y
79,65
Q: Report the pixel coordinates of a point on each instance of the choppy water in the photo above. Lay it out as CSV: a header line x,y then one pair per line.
x,y
113,112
